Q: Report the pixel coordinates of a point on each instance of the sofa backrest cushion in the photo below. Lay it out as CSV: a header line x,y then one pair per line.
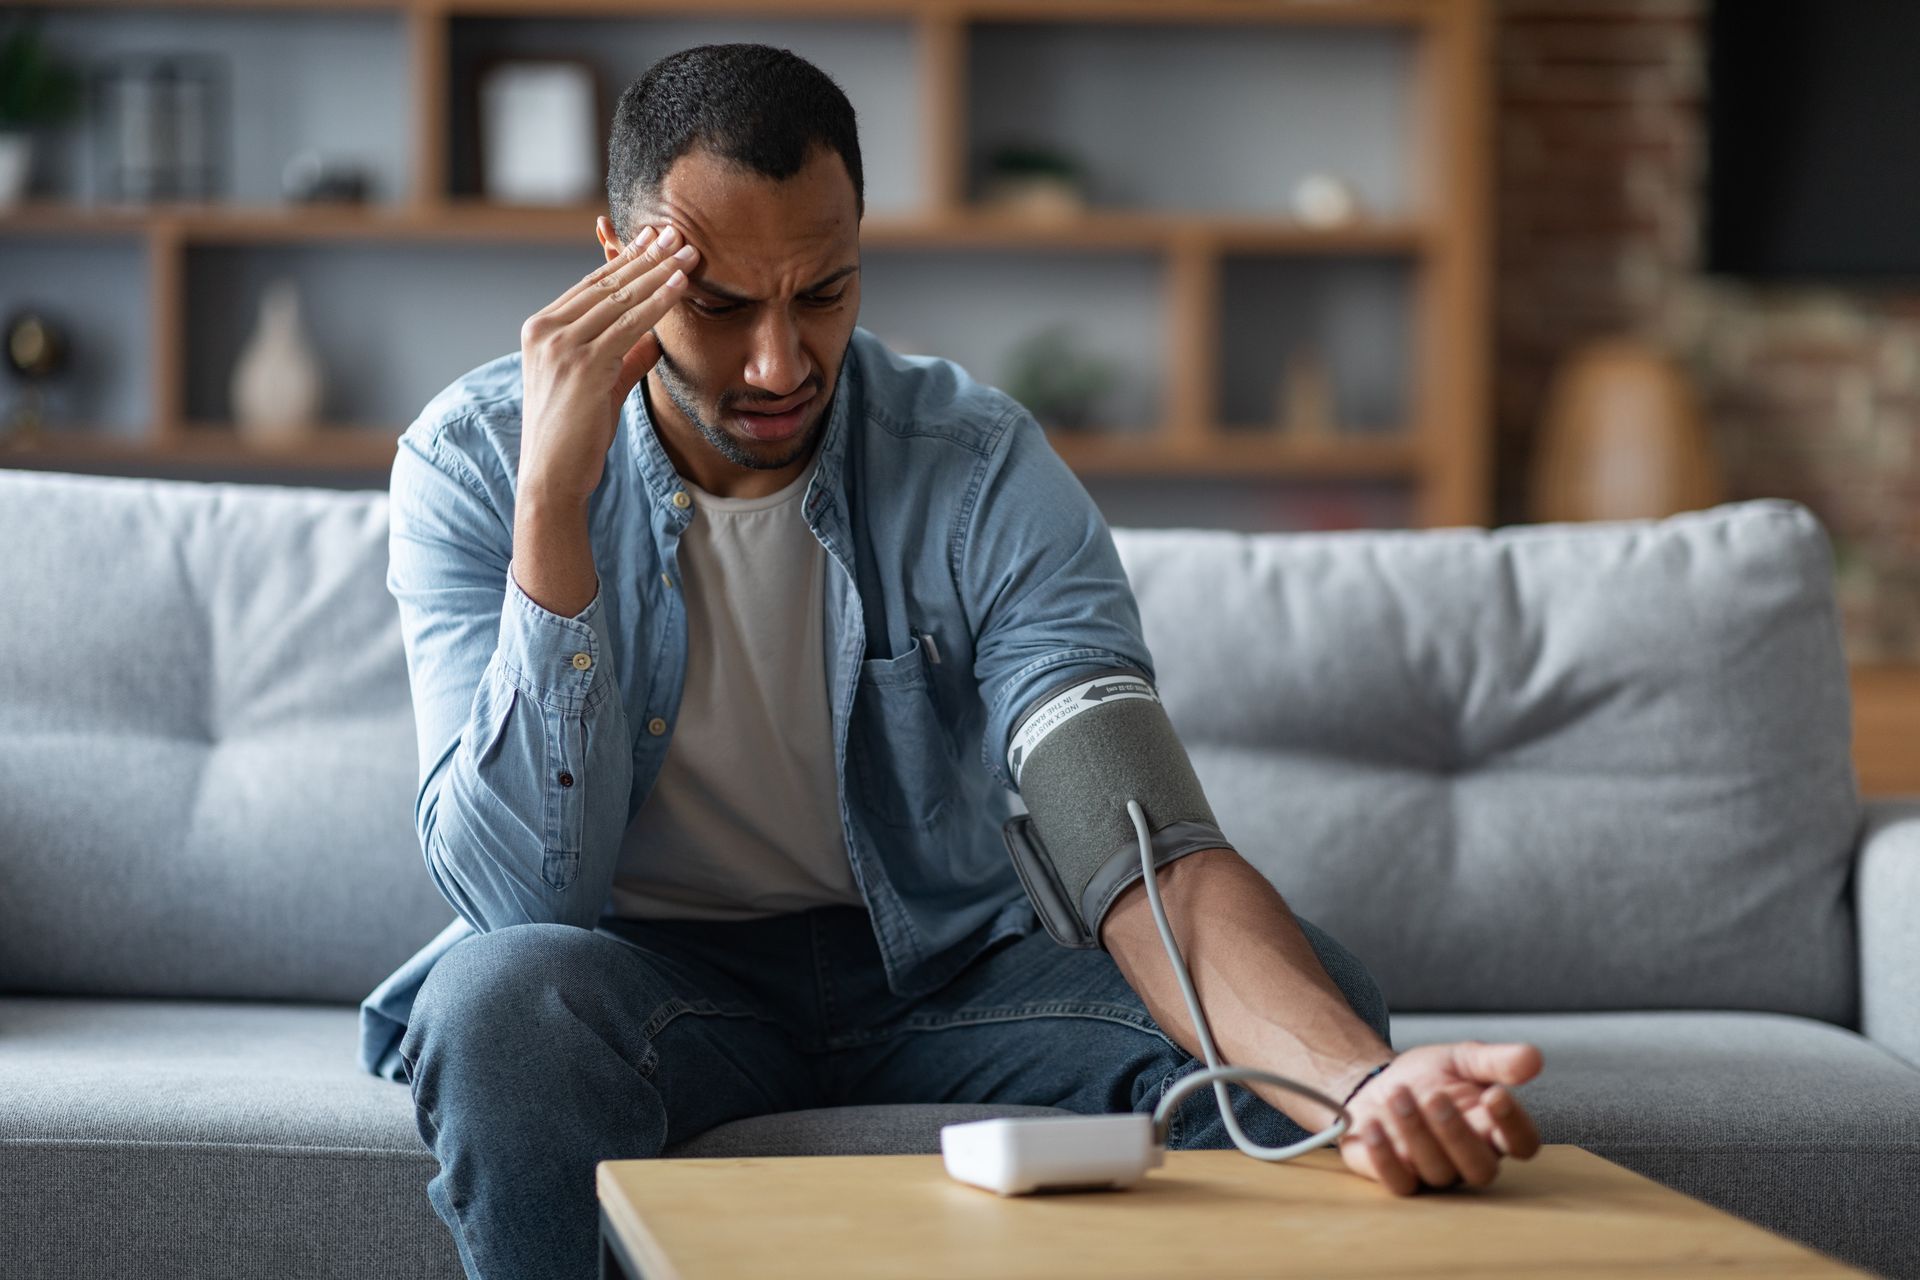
x,y
207,762
1551,767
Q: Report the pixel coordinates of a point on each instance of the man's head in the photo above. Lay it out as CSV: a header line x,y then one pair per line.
x,y
752,153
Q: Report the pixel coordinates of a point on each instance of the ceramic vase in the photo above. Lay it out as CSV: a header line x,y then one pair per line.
x,y
276,383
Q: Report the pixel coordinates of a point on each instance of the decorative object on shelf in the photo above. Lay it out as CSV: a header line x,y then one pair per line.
x,y
1306,395
276,382
540,128
1324,200
161,127
1035,182
35,90
310,178
37,352
1058,383
1623,439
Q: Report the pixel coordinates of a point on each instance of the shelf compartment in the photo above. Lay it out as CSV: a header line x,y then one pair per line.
x,y
1284,319
101,292
978,308
346,95
1158,113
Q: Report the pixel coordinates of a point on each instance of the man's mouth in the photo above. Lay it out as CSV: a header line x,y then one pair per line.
x,y
762,425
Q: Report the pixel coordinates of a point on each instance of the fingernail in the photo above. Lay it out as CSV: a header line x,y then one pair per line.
x,y
1375,1138
686,253
646,234
677,278
1403,1103
669,236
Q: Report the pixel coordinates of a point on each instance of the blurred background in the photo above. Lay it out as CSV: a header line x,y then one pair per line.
x,y
1261,264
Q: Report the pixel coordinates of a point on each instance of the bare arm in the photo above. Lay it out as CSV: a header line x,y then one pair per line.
x,y
1268,1000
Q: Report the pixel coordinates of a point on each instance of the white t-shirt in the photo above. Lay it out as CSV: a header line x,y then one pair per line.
x,y
744,819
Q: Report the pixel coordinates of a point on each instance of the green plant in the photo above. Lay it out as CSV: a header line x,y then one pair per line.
x,y
1056,382
34,87
1028,160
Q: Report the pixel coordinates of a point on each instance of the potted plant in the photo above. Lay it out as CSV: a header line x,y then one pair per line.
x,y
34,90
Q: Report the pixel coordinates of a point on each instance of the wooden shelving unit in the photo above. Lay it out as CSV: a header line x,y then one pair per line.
x,y
1442,455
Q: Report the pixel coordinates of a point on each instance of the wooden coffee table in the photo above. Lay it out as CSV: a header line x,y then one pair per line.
x,y
1204,1213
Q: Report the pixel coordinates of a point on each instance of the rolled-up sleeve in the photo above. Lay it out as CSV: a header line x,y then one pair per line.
x,y
1037,570
525,771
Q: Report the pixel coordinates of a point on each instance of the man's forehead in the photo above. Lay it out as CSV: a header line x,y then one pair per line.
x,y
709,195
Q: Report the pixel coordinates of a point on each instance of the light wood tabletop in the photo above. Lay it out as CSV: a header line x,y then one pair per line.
x,y
1216,1214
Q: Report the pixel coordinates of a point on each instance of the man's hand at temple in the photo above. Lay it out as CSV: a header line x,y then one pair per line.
x,y
1271,1004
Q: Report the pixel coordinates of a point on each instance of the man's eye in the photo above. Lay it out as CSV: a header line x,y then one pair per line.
x,y
712,309
825,299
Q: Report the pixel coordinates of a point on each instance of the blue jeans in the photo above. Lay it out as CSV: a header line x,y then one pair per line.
x,y
535,1051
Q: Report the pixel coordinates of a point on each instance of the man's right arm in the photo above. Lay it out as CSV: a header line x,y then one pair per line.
x,y
526,766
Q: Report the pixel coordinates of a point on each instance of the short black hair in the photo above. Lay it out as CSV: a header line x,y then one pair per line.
x,y
758,106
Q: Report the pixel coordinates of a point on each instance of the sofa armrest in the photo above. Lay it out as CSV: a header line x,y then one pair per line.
x,y
1887,901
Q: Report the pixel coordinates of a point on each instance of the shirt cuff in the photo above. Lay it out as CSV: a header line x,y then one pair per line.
x,y
552,659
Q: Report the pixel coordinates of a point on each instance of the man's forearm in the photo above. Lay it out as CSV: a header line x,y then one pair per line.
x,y
1268,1000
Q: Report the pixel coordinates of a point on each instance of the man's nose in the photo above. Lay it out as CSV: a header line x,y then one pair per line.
x,y
776,363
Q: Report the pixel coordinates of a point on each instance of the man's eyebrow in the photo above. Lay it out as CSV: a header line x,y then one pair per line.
x,y
730,296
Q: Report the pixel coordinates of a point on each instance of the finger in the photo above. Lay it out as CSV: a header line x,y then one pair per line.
x,y
628,271
637,304
1517,1130
1416,1143
1386,1166
629,322
1466,1150
1500,1063
631,250
1484,1125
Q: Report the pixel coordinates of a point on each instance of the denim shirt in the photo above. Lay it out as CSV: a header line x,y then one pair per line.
x,y
968,575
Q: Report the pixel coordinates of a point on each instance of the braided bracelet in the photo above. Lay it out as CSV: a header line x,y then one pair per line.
x,y
1370,1075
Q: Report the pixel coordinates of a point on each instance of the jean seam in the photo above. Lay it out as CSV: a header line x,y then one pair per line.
x,y
989,1017
672,1010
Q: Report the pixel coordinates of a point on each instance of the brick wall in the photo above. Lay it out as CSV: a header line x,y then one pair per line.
x,y
1812,394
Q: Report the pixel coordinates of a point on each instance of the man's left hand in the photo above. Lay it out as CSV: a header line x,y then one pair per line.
x,y
1464,1116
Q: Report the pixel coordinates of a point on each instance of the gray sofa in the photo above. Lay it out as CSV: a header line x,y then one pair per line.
x,y
1584,786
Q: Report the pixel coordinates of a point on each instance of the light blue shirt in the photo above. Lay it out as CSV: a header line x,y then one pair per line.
x,y
969,574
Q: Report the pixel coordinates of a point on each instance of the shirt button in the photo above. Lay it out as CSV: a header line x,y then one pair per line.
x,y
581,661
681,500
656,726
566,779
669,581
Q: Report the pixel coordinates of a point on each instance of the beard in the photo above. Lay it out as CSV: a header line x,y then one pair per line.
x,y
680,390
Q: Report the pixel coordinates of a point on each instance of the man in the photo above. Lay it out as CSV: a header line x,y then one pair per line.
x,y
721,619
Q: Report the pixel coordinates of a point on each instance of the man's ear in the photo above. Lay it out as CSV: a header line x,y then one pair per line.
x,y
608,237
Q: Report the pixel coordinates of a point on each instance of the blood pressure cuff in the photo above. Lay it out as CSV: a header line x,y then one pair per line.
x,y
1078,755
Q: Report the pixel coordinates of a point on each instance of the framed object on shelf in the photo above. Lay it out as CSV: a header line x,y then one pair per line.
x,y
541,129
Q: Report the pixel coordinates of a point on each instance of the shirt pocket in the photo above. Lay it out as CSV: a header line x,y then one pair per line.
x,y
900,753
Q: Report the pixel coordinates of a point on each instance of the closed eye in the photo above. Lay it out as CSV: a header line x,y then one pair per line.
x,y
728,308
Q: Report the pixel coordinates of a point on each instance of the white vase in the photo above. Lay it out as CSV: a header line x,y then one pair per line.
x,y
16,165
276,383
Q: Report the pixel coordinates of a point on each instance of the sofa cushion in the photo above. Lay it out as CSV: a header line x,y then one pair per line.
x,y
1551,767
207,759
